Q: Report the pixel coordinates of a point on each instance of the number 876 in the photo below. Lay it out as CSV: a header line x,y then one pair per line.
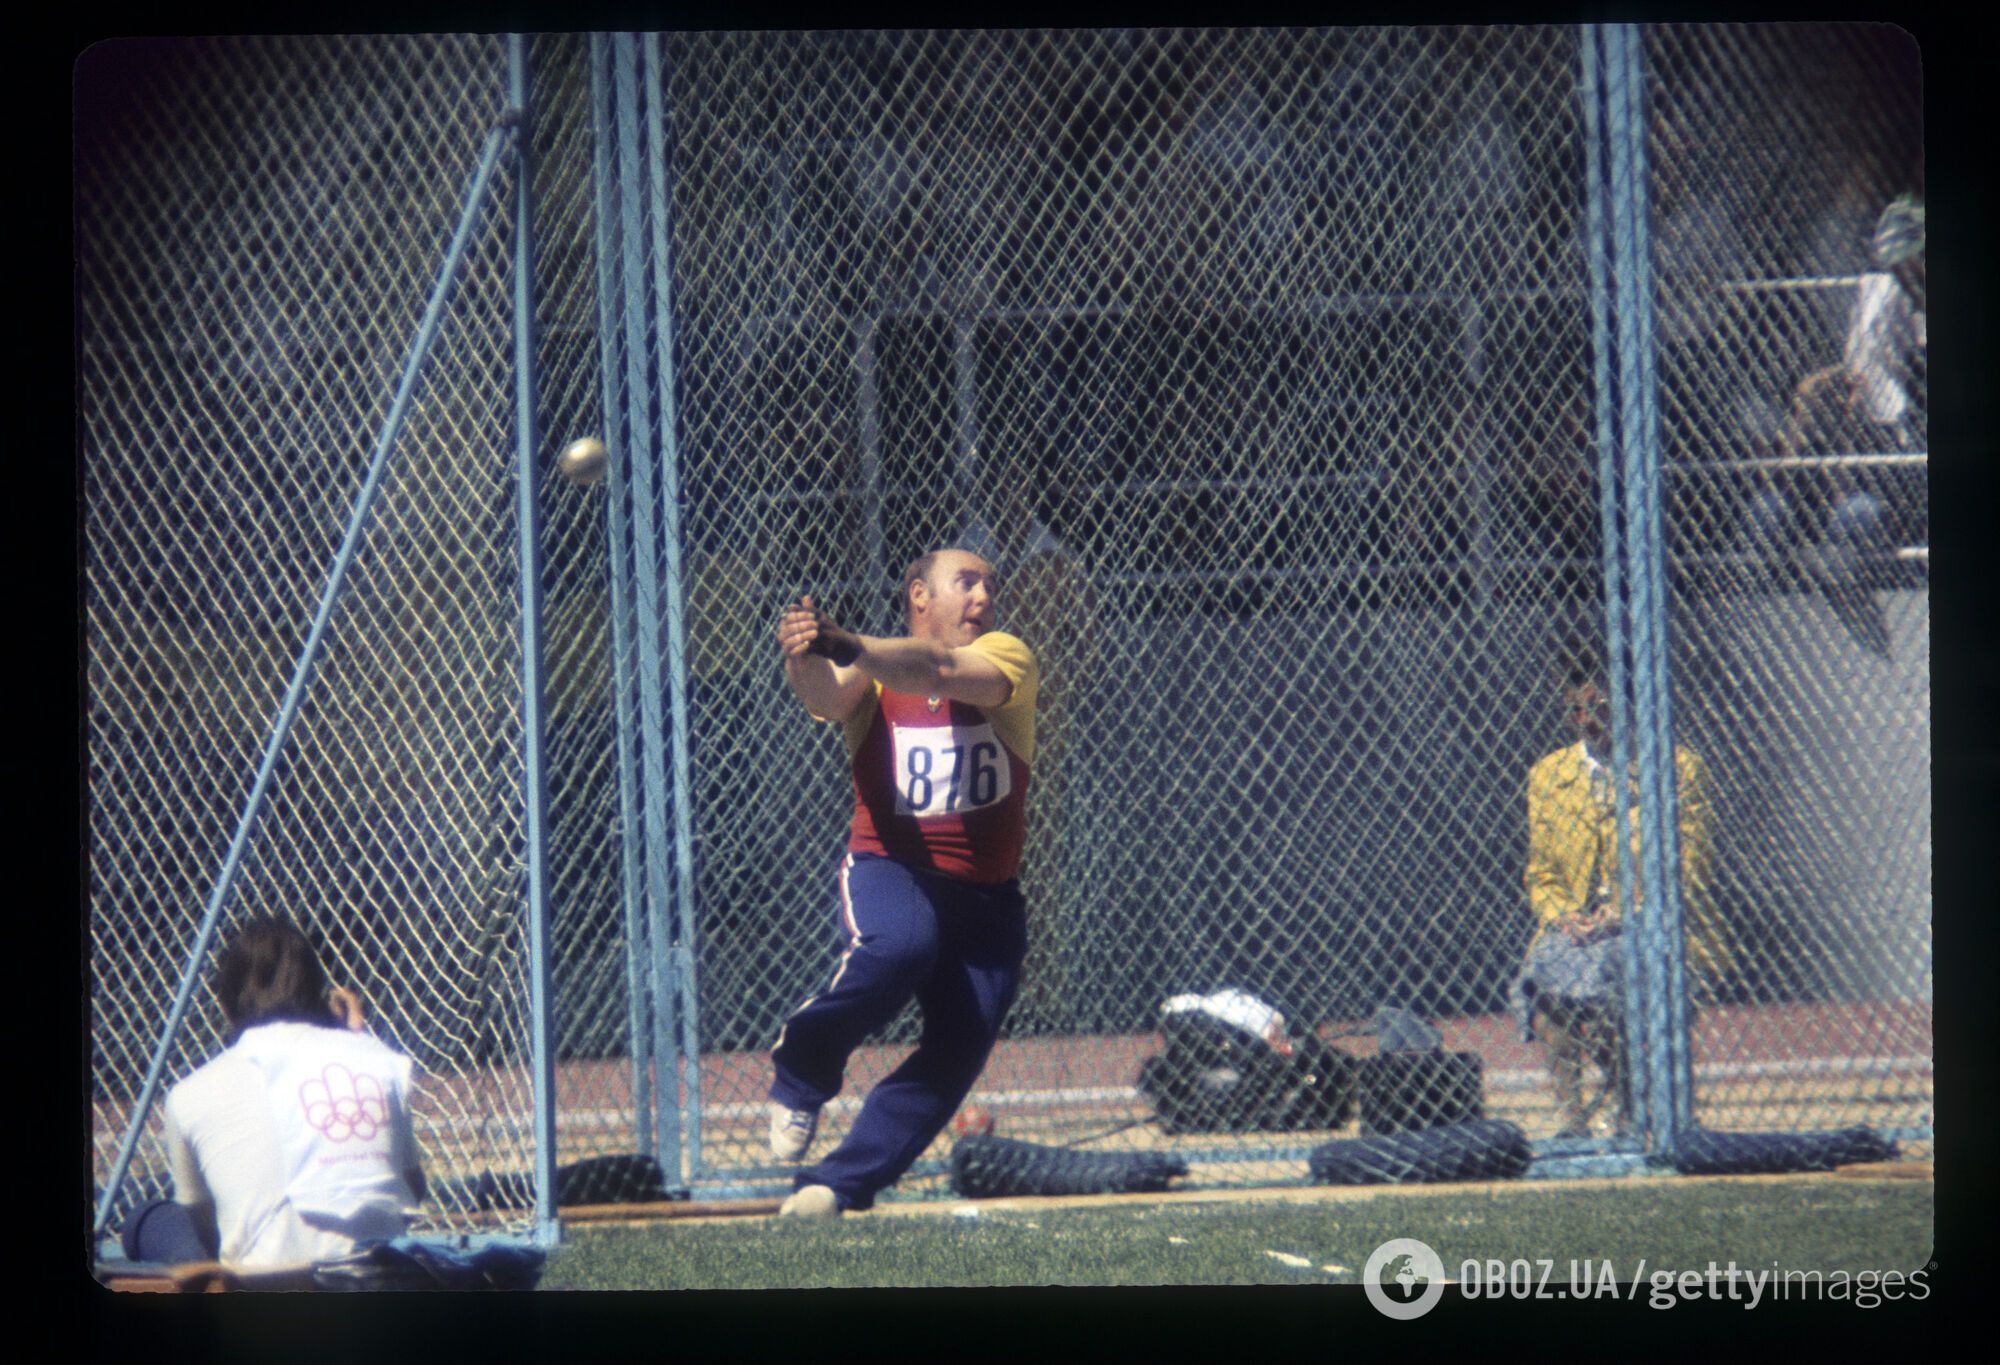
x,y
966,785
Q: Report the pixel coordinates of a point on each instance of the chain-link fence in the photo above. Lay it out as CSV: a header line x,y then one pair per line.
x,y
1261,364
1793,417
1218,345
261,225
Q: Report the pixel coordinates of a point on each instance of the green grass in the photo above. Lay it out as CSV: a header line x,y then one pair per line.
x,y
1800,1224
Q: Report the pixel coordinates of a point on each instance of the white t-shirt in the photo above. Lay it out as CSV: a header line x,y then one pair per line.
x,y
299,1136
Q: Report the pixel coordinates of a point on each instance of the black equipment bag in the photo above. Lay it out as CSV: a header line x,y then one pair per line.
x,y
1215,1077
1408,1091
622,1178
412,1264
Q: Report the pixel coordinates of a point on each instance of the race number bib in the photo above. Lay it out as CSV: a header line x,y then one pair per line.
x,y
945,769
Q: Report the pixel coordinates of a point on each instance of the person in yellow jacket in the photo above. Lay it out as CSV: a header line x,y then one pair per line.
x,y
1567,994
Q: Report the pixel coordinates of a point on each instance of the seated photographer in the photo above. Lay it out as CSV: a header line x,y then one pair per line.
x,y
295,1144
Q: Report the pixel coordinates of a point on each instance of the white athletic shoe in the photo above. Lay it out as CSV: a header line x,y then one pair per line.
x,y
810,1201
792,1132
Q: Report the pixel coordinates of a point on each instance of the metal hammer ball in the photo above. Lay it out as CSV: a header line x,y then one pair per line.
x,y
583,460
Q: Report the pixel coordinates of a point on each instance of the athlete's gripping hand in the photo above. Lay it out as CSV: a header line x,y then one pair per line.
x,y
805,629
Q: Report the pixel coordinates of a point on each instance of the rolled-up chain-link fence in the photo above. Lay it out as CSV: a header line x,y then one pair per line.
x,y
1259,362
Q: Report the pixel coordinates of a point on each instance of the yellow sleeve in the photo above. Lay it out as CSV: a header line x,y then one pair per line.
x,y
1710,946
1014,720
1549,894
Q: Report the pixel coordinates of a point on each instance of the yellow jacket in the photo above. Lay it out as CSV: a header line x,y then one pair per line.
x,y
1573,840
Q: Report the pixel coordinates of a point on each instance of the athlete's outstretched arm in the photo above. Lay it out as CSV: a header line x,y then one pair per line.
x,y
847,660
930,669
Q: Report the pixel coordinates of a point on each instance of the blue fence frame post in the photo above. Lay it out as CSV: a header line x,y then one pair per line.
x,y
1656,1017
643,466
1602,91
533,781
619,597
673,571
496,142
1640,938
1667,1043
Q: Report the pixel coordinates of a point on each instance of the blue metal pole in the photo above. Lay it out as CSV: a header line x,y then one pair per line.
x,y
1665,916
638,993
533,779
646,570
1627,130
674,574
385,441
1606,299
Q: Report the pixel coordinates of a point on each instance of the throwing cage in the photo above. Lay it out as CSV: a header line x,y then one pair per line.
x,y
1308,388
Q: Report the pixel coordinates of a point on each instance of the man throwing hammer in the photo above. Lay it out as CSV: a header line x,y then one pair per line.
x,y
940,732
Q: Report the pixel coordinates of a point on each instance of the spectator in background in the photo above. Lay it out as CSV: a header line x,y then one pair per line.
x,y
1701,245
1568,993
1880,410
1881,382
1845,218
295,1145
1882,361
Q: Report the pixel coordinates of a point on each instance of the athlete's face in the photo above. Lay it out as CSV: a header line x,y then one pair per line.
x,y
956,606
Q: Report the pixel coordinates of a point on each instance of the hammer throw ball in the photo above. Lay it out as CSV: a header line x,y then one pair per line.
x,y
583,460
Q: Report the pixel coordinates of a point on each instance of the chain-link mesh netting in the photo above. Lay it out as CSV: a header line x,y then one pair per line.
x,y
1259,363
1165,325
1792,406
592,1009
260,224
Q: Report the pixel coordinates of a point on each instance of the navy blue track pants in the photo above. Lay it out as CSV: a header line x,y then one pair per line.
x,y
163,1231
956,948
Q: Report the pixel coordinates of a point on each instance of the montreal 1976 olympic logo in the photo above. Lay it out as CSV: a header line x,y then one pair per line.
x,y
343,1105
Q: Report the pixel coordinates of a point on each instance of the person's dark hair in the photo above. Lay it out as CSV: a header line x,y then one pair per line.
x,y
270,973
